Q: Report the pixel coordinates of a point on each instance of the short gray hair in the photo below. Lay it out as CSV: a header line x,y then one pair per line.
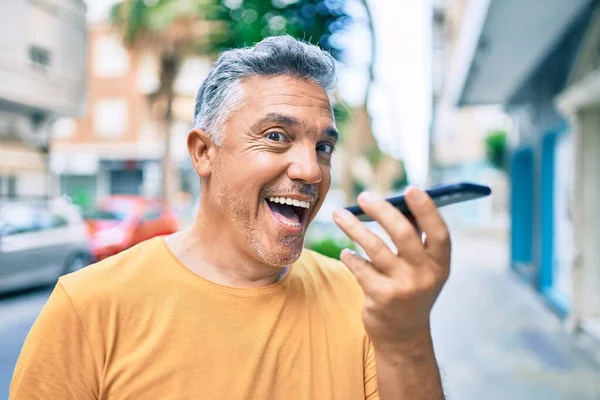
x,y
221,92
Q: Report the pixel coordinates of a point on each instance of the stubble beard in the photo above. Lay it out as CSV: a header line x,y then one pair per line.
x,y
244,223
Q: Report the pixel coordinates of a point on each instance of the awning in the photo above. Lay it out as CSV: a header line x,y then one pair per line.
x,y
502,42
16,159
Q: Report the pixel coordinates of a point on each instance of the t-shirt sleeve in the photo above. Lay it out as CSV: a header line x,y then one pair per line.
x,y
371,389
56,360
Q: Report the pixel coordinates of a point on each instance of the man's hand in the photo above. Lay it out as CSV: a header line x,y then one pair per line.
x,y
400,289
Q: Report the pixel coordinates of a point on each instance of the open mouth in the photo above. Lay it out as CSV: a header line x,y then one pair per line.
x,y
290,212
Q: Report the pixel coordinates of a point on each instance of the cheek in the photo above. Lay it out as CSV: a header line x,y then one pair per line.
x,y
325,181
324,186
263,161
247,174
260,168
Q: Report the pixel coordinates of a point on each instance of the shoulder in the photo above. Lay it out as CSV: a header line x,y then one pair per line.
x,y
112,276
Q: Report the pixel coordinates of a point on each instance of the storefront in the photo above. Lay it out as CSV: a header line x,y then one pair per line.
x,y
557,242
22,172
545,72
522,212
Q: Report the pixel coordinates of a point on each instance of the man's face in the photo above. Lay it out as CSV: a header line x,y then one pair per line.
x,y
272,171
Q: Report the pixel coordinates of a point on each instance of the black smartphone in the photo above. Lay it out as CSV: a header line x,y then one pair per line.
x,y
442,195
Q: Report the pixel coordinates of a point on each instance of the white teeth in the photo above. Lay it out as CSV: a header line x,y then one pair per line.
x,y
293,225
289,201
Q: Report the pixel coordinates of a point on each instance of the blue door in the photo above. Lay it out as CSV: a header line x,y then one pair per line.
x,y
521,175
548,264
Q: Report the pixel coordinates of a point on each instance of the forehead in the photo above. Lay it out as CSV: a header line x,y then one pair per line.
x,y
306,100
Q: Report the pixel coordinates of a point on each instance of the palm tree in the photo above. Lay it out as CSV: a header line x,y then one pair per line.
x,y
175,29
169,30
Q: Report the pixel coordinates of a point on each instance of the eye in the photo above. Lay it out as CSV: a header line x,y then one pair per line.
x,y
276,137
325,148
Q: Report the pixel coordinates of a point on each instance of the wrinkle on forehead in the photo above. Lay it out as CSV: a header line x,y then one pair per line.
x,y
304,100
284,90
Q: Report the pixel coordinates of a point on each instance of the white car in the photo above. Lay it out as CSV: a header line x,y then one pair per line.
x,y
39,242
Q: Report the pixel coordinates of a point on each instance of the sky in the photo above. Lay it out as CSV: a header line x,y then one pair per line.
x,y
401,98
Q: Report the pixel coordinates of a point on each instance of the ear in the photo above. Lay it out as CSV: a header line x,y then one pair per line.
x,y
202,151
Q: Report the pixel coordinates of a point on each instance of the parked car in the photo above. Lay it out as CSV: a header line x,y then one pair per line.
x,y
119,222
40,241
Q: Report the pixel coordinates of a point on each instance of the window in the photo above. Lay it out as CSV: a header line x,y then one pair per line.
x,y
104,215
18,219
64,127
11,186
39,56
110,57
151,213
39,31
49,220
8,186
110,117
147,74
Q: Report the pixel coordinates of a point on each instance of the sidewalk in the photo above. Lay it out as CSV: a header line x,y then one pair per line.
x,y
496,340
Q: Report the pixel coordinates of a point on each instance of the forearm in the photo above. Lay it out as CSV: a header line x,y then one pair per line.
x,y
408,371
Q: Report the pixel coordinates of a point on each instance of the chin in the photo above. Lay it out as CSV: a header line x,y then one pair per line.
x,y
281,254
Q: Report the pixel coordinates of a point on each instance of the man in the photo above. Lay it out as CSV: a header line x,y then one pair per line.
x,y
233,308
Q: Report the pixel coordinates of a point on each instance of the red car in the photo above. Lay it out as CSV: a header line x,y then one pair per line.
x,y
119,222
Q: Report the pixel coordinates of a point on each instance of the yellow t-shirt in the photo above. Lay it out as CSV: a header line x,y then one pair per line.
x,y
142,326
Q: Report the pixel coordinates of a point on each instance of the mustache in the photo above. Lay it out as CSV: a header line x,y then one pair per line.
x,y
292,187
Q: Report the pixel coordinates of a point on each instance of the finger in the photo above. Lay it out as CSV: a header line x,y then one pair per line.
x,y
401,230
376,249
365,272
411,218
437,242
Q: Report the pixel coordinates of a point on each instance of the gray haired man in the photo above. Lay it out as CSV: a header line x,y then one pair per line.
x,y
233,307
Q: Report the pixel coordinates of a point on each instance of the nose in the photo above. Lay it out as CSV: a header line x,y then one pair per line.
x,y
305,166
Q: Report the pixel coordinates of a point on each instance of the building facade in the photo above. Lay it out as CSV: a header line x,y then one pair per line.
x,y
457,145
543,70
117,146
42,70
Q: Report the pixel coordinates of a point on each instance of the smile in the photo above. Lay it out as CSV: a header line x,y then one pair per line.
x,y
289,212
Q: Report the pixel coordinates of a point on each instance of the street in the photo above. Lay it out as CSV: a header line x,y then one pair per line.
x,y
494,339
17,314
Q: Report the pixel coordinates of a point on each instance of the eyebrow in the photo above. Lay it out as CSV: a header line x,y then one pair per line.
x,y
332,133
278,119
291,121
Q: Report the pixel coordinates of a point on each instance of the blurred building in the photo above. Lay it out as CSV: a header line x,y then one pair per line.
x,y
457,145
42,70
540,60
118,145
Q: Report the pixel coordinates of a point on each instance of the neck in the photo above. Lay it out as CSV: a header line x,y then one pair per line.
x,y
211,253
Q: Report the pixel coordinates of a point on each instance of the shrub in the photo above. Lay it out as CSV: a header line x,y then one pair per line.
x,y
496,146
331,247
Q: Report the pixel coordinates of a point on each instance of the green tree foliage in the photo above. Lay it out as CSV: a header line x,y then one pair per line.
x,y
496,142
331,247
402,180
245,22
374,155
